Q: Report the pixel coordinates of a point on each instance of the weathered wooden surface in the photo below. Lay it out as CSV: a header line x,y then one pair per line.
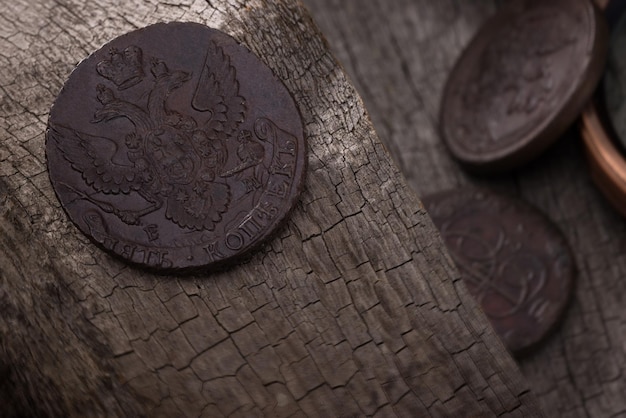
x,y
398,54
353,310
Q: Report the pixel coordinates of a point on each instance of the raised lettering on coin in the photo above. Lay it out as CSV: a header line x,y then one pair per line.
x,y
175,147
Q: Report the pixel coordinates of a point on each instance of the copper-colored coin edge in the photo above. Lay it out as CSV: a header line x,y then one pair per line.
x,y
607,165
606,162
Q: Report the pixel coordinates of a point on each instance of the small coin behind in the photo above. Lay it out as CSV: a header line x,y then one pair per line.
x,y
514,261
522,81
174,147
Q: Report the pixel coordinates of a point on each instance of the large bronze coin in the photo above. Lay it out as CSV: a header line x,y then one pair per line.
x,y
175,147
522,81
513,260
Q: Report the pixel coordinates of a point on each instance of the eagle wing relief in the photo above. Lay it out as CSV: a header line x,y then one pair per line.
x,y
218,92
200,205
196,204
93,157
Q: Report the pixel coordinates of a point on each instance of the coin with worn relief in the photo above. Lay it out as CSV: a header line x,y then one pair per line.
x,y
514,261
522,81
175,148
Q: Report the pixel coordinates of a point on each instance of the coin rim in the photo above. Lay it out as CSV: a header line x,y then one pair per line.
x,y
606,163
550,228
545,134
274,226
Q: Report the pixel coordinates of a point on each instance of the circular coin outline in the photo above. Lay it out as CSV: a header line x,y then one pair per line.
x,y
536,136
252,131
524,234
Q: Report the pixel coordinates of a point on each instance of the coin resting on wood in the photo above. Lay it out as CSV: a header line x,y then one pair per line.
x,y
174,147
513,260
521,82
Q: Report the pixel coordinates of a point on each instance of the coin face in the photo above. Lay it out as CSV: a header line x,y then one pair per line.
x,y
615,80
513,260
174,147
522,81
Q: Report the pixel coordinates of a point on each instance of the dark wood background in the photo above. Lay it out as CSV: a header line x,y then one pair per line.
x,y
398,54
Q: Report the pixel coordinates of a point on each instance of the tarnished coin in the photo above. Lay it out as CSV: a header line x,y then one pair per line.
x,y
175,147
513,260
522,81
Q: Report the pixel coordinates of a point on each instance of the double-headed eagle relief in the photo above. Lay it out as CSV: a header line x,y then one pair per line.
x,y
170,142
169,158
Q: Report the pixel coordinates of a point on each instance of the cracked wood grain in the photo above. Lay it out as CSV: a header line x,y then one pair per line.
x,y
398,53
353,309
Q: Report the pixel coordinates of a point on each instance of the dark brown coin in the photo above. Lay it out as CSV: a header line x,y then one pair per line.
x,y
175,147
522,81
513,260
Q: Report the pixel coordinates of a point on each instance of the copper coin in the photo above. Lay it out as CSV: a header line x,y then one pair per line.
x,y
514,261
602,145
175,147
522,81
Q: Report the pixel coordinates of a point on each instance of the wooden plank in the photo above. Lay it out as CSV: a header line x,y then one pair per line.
x,y
353,308
398,54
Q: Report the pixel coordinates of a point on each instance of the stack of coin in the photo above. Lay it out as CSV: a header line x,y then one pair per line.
x,y
518,86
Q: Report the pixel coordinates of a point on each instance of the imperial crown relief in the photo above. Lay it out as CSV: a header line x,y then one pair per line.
x,y
175,147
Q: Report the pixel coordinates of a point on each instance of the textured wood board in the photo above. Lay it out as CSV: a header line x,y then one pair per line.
x,y
398,54
354,309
